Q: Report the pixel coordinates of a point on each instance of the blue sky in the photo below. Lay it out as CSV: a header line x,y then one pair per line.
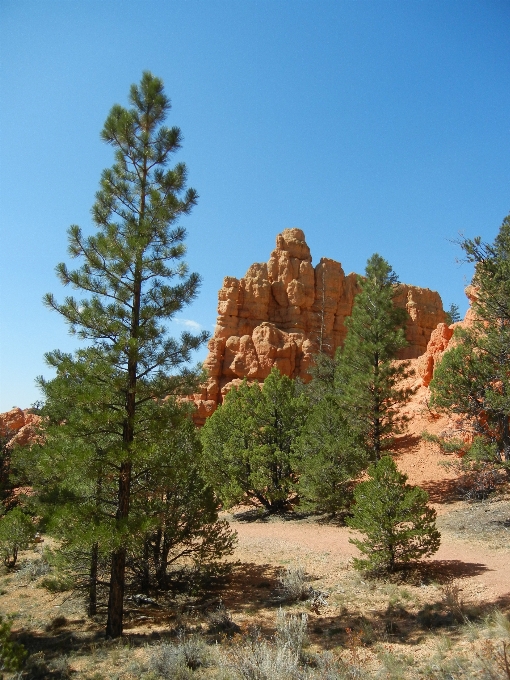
x,y
373,126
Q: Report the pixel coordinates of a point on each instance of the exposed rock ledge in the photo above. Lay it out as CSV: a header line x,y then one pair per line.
x,y
281,313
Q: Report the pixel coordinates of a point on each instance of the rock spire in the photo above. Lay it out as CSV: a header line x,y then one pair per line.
x,y
284,311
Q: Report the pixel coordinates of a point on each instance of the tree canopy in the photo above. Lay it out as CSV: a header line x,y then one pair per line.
x,y
248,442
128,267
366,375
473,378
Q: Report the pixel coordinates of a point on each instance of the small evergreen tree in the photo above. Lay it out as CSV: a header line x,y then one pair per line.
x,y
12,654
367,375
329,458
248,442
125,275
473,378
393,515
452,314
16,533
173,513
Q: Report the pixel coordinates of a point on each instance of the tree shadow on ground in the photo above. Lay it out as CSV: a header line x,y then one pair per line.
x,y
406,441
264,516
250,586
396,623
443,491
443,571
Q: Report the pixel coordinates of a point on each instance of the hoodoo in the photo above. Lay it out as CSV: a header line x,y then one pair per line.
x,y
285,311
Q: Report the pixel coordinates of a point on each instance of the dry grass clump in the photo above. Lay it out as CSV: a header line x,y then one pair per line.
x,y
221,623
292,585
453,601
263,660
291,631
179,661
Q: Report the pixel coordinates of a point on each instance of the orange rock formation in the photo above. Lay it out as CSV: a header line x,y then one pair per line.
x,y
439,341
20,425
283,312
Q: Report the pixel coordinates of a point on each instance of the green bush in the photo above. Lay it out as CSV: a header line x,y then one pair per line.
x,y
12,654
248,443
393,515
16,533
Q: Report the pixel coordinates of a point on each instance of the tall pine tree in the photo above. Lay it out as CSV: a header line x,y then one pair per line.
x,y
127,266
472,379
367,376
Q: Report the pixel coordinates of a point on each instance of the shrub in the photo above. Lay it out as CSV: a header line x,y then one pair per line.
x,y
394,516
12,654
193,650
453,601
248,443
292,585
33,569
220,621
16,533
291,630
261,660
57,584
166,661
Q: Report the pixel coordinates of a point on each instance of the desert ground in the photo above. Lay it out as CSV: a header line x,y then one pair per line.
x,y
446,618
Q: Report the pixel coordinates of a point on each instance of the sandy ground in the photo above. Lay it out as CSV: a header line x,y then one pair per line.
x,y
325,550
480,565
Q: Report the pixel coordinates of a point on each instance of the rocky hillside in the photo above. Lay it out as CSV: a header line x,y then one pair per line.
x,y
284,311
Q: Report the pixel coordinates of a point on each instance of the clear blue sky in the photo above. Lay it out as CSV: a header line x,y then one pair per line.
x,y
374,126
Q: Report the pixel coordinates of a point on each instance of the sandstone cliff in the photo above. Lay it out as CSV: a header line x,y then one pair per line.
x,y
442,339
19,426
284,311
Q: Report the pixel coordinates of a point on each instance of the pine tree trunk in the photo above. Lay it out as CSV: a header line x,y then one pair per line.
x,y
161,571
146,575
117,578
92,608
116,598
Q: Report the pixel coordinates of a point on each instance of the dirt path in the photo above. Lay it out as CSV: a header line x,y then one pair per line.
x,y
324,549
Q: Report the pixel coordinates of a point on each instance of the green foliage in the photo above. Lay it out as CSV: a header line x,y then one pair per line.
x,y
131,364
393,515
366,374
181,511
355,398
477,463
473,378
248,442
329,457
173,513
452,314
12,654
16,533
5,459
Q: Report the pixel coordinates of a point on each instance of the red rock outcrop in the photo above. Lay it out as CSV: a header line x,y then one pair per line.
x,y
284,311
441,340
20,425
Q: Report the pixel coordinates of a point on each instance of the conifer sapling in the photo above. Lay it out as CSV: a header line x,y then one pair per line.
x,y
398,525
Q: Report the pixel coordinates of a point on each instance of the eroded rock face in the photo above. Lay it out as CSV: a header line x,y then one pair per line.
x,y
442,339
20,425
283,312
438,343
